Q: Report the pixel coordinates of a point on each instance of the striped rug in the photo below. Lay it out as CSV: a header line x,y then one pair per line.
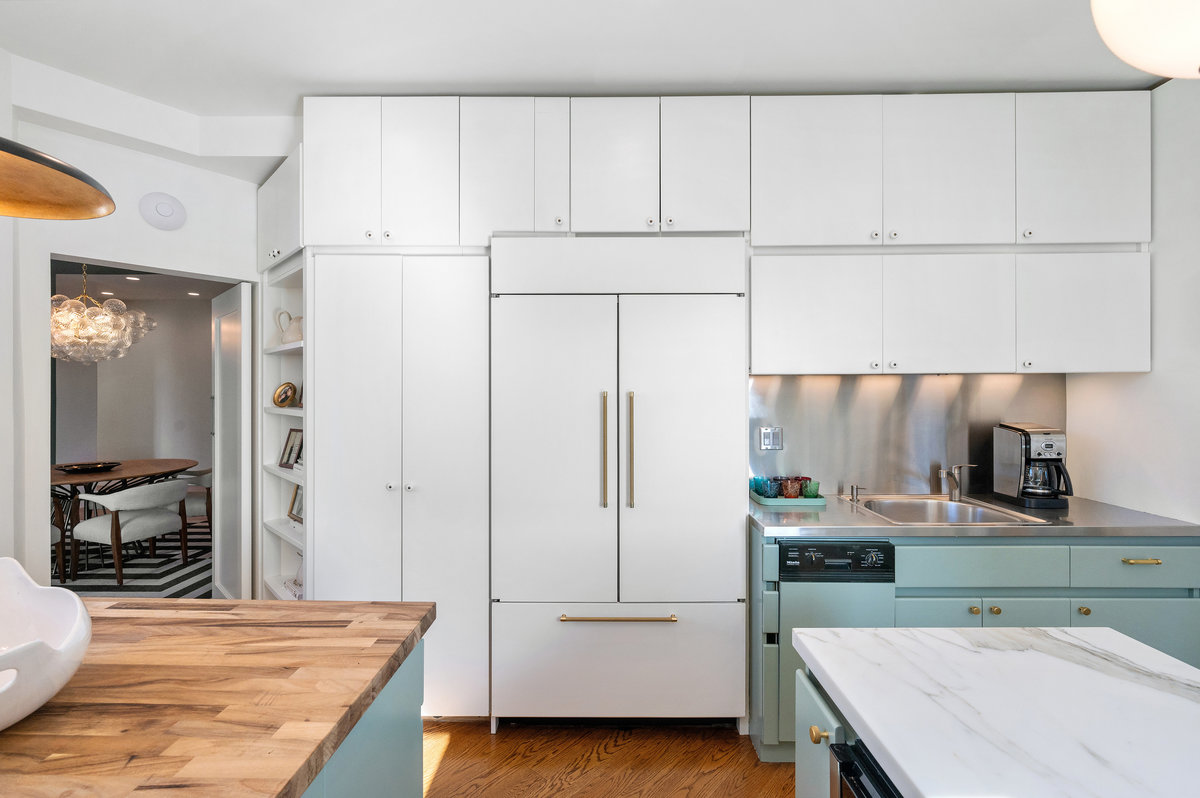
x,y
160,576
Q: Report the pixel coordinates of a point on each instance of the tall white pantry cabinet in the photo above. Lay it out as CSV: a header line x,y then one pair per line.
x,y
618,463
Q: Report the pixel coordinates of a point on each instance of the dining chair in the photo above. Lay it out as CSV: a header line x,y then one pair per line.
x,y
141,513
58,535
199,503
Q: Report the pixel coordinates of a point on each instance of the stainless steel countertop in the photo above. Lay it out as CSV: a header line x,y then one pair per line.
x,y
1083,518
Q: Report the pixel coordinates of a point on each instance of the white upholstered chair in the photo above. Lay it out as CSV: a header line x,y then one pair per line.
x,y
199,502
141,513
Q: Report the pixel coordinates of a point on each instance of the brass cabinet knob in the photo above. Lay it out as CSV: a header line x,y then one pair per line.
x,y
816,735
995,610
1085,610
973,610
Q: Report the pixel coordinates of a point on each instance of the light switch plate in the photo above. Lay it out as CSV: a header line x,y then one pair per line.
x,y
770,437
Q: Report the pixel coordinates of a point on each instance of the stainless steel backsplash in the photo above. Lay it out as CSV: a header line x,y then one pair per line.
x,y
891,433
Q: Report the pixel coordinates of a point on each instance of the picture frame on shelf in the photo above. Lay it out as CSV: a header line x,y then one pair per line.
x,y
292,446
286,395
296,506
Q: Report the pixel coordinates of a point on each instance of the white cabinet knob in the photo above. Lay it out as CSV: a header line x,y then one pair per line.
x,y
875,234
1028,233
649,221
389,486
370,234
387,234
893,235
558,220
893,365
1027,364
875,364
670,221
408,487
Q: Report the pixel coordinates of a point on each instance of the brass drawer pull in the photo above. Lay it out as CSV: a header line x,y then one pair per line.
x,y
614,619
1085,610
1146,561
973,610
995,610
816,735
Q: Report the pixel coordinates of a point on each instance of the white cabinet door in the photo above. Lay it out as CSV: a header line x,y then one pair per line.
x,y
949,314
614,164
816,314
705,151
554,468
353,444
1083,167
279,213
496,157
683,448
552,164
817,170
1083,312
420,170
342,163
444,419
948,169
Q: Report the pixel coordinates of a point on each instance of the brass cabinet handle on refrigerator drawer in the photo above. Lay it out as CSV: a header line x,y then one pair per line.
x,y
1146,561
604,433
614,619
816,735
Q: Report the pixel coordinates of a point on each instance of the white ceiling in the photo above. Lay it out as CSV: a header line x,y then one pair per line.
x,y
148,286
259,57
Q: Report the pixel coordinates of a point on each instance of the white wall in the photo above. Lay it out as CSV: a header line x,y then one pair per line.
x,y
8,440
1134,439
217,241
74,413
154,402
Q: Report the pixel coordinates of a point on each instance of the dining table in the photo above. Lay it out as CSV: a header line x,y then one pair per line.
x,y
68,480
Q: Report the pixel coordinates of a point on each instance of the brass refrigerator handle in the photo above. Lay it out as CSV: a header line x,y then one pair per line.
x,y
631,450
1146,561
564,618
604,434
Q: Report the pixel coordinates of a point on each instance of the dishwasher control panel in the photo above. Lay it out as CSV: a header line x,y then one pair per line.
x,y
826,561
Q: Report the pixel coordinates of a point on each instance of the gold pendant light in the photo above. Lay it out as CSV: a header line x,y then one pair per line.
x,y
34,185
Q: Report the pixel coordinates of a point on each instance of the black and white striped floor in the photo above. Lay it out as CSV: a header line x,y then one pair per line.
x,y
160,576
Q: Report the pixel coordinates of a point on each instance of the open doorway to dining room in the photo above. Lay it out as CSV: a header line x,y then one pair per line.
x,y
148,407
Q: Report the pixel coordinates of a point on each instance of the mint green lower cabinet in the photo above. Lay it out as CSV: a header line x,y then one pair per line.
x,y
1025,611
1172,625
926,612
812,759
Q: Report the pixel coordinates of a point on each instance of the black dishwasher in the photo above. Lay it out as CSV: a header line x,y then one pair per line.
x,y
829,584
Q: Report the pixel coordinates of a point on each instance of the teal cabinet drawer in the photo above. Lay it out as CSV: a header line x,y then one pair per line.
x,y
983,566
927,612
1171,625
1135,566
1026,611
812,761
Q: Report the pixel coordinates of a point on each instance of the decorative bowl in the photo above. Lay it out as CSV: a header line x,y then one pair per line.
x,y
88,468
44,632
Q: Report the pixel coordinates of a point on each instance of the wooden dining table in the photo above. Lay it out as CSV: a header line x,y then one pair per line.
x,y
66,485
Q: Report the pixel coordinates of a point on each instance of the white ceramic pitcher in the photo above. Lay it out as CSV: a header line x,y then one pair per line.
x,y
291,330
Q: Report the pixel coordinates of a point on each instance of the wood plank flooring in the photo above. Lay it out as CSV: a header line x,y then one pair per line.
x,y
597,759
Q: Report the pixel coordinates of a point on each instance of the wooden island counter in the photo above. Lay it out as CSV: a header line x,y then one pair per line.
x,y
232,698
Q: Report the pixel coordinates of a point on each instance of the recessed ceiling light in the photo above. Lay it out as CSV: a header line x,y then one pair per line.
x,y
106,293
193,293
133,278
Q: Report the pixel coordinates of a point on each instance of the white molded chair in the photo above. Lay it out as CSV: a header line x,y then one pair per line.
x,y
199,504
140,513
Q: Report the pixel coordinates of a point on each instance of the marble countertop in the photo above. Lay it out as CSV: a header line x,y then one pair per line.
x,y
1082,518
1026,713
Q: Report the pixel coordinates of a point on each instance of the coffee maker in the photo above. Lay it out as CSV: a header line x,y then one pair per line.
x,y
1028,465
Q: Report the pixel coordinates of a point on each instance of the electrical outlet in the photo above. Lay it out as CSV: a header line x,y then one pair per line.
x,y
770,437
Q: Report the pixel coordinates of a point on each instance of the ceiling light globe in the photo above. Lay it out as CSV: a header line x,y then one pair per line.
x,y
1161,37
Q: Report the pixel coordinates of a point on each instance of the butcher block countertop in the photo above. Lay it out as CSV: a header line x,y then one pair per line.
x,y
196,697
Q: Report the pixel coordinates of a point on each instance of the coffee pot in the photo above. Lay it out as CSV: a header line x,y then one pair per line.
x,y
1028,465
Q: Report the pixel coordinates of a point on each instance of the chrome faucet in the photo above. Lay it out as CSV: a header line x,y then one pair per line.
x,y
854,493
953,479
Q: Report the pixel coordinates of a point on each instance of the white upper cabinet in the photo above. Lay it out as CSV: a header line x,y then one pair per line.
x,y
342,170
279,213
949,314
948,169
705,151
1083,312
817,170
552,164
1083,167
497,163
614,164
816,314
420,170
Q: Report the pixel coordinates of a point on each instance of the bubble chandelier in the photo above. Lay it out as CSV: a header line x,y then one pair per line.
x,y
83,333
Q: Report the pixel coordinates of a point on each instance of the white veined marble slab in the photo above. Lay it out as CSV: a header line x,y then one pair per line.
x,y
1024,713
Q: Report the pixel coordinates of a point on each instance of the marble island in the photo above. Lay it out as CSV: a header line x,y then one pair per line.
x,y
1025,712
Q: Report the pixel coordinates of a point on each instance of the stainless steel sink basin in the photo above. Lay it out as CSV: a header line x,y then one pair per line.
x,y
935,510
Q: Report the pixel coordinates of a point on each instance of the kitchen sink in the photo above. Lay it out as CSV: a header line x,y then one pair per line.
x,y
938,510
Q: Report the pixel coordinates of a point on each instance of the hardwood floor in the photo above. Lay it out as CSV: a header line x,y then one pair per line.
x,y
596,759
